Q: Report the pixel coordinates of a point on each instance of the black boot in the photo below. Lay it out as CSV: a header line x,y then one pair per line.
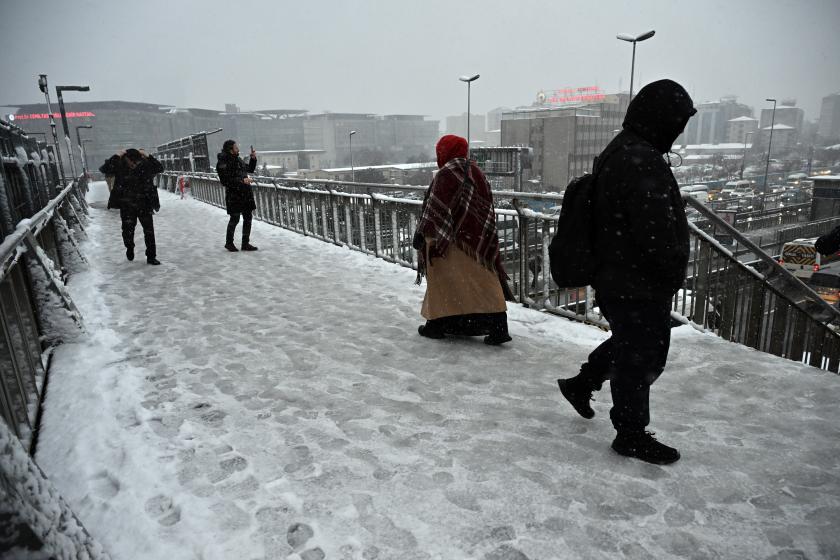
x,y
248,247
428,332
642,445
577,395
129,253
231,247
152,260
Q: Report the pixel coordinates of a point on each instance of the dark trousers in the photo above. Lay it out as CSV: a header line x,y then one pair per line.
x,y
246,227
473,324
632,358
129,217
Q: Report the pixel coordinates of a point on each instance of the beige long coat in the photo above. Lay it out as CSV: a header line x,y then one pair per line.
x,y
458,285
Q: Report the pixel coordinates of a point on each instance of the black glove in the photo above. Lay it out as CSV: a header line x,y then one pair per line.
x,y
419,241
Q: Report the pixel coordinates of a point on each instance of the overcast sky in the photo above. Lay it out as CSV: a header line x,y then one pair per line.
x,y
405,56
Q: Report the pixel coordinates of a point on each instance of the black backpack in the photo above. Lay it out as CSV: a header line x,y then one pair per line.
x,y
574,260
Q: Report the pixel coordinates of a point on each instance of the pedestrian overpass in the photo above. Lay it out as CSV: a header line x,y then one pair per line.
x,y
279,404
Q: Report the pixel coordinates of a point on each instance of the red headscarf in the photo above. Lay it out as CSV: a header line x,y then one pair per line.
x,y
450,147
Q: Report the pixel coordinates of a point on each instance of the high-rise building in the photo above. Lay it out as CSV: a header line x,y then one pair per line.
x,y
738,128
829,127
565,139
710,124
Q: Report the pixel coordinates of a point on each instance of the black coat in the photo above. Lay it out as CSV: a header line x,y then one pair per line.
x,y
642,234
829,243
134,189
232,171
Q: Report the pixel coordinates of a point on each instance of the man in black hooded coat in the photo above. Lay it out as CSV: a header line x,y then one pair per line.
x,y
136,196
239,198
642,242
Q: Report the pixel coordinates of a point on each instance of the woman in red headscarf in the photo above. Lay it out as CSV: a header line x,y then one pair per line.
x,y
459,251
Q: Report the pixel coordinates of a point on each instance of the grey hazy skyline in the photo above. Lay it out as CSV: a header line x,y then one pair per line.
x,y
392,57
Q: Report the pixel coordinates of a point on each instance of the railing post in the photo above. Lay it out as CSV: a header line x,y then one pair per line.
x,y
412,227
377,226
362,225
395,235
334,197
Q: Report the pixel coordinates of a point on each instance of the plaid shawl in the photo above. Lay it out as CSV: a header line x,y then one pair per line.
x,y
459,209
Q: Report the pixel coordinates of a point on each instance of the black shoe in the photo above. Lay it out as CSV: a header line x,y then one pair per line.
x,y
429,333
129,253
577,397
642,445
152,260
231,247
496,340
248,247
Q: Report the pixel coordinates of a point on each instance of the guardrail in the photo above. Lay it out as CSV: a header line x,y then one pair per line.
x,y
770,311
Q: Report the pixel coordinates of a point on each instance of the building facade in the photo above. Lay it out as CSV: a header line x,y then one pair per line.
x,y
829,126
738,128
710,124
118,125
565,140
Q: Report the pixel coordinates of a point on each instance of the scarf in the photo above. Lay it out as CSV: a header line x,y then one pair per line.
x,y
458,209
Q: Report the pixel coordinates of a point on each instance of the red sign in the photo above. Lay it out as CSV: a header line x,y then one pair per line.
x,y
34,116
573,95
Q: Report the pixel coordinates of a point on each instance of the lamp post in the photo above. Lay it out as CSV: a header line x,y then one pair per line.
x,y
58,90
634,39
469,80
44,87
84,152
352,169
769,144
81,147
744,157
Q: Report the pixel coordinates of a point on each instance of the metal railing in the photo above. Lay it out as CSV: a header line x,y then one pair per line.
x,y
39,221
770,311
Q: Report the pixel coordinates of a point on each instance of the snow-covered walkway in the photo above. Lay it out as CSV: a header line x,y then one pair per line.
x,y
280,404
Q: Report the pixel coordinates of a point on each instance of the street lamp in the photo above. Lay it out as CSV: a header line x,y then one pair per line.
x,y
634,39
58,90
352,169
42,84
84,152
744,157
81,148
469,80
769,143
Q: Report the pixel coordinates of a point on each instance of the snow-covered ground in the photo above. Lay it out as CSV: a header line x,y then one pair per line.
x,y
280,404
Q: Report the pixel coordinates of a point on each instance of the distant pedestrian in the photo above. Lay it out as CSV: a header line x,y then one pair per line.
x,y
239,197
459,251
135,195
642,241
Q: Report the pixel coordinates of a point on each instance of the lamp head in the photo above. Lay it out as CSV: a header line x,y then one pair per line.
x,y
769,99
42,82
72,88
352,132
469,78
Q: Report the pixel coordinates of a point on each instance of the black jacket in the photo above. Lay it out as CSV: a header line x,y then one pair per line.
x,y
829,243
232,171
642,234
134,189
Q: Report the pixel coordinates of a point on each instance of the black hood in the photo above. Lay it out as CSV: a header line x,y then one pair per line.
x,y
224,156
659,113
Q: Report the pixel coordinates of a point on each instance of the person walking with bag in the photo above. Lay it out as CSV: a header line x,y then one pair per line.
x,y
239,197
458,251
642,243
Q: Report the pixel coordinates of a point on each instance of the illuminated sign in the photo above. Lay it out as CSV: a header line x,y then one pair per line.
x,y
571,95
35,116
